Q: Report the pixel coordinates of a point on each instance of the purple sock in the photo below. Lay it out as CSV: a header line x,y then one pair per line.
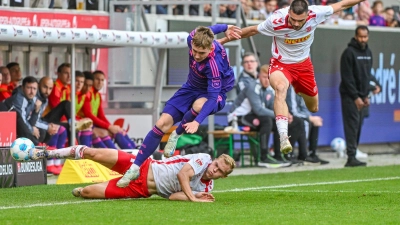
x,y
108,142
98,143
150,143
122,142
188,117
85,138
62,137
53,141
130,141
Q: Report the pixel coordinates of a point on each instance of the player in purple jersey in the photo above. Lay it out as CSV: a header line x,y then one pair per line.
x,y
204,93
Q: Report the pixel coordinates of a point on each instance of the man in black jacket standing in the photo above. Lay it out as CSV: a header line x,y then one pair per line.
x,y
355,72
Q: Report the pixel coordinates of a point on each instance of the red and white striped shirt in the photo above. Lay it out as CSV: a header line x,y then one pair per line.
x,y
289,45
166,171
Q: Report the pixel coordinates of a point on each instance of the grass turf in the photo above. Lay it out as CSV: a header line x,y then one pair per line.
x,y
368,195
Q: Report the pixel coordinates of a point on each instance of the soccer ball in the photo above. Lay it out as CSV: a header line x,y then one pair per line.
x,y
339,145
20,149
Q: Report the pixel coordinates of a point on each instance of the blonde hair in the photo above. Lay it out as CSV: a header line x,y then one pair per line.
x,y
264,68
203,37
228,161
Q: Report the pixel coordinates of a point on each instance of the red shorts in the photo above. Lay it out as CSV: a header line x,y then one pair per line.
x,y
300,75
136,188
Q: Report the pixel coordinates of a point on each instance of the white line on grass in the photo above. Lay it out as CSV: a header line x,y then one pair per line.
x,y
327,191
308,184
231,190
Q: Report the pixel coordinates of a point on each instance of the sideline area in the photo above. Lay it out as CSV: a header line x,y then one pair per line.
x,y
375,158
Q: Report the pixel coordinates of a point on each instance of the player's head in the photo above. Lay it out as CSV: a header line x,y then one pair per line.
x,y
202,43
79,80
249,63
362,36
46,85
88,81
221,167
64,73
15,71
5,73
29,87
298,13
98,81
263,75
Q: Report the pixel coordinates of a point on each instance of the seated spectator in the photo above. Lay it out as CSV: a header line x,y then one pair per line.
x,y
377,17
92,109
61,93
363,12
5,88
83,87
390,18
283,4
253,107
54,135
231,11
249,73
160,9
270,7
23,101
298,108
256,13
16,75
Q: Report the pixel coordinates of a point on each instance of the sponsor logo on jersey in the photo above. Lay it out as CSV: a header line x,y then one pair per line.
x,y
216,83
308,29
198,163
297,40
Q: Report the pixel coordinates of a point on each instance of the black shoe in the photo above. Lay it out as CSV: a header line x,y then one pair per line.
x,y
309,160
316,158
353,162
270,162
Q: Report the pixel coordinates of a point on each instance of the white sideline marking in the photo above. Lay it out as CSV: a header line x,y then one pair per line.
x,y
308,184
221,191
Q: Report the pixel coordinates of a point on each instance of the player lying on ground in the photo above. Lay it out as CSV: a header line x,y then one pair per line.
x,y
185,178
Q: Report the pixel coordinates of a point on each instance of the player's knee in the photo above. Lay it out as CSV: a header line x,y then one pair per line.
x,y
281,89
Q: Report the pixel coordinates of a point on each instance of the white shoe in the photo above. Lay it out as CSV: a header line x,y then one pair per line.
x,y
286,147
83,124
35,154
171,144
77,191
360,154
131,174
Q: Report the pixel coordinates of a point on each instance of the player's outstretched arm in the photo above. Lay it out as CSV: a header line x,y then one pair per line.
x,y
246,32
344,4
184,176
181,196
233,32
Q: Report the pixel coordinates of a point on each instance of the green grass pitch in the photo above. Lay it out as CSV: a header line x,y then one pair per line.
x,y
368,195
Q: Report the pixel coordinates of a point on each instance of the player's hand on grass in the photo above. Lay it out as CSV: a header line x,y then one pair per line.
x,y
205,196
191,127
233,32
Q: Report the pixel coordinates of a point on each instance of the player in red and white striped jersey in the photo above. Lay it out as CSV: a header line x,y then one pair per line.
x,y
185,178
292,30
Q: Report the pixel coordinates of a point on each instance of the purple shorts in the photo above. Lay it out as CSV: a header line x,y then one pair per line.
x,y
183,100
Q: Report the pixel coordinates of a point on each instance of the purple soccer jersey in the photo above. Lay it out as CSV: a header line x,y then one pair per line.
x,y
211,78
